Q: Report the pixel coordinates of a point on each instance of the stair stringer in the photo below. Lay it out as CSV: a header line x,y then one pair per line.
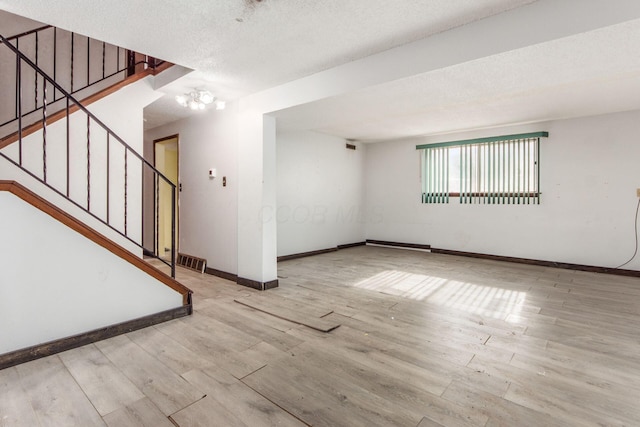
x,y
57,282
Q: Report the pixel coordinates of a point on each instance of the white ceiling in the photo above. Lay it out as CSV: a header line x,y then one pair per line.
x,y
239,47
586,74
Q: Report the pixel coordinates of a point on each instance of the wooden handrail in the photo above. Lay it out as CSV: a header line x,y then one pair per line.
x,y
92,122
88,232
29,32
13,137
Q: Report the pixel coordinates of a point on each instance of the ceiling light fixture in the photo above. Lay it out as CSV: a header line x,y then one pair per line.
x,y
198,99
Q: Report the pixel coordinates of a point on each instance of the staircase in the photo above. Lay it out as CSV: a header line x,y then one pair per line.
x,y
57,157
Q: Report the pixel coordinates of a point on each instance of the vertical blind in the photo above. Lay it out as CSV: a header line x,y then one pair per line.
x,y
495,170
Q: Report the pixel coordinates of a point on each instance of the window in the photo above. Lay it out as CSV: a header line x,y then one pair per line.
x,y
495,170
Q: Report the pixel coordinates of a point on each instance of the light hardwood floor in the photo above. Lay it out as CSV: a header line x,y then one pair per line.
x,y
424,340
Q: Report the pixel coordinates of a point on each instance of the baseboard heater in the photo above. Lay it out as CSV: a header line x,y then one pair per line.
x,y
417,246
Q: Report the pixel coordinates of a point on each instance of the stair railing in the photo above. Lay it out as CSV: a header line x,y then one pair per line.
x,y
75,62
63,156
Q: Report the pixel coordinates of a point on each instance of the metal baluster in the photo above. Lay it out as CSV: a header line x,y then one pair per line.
x,y
88,61
19,108
103,59
55,59
125,191
173,230
35,73
68,146
17,82
72,52
157,212
44,100
108,160
88,163
44,130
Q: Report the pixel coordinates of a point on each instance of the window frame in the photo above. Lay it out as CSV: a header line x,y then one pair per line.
x,y
514,159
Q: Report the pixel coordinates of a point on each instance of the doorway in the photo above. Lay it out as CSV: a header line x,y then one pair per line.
x,y
166,160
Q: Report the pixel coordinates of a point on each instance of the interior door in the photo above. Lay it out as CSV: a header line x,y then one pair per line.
x,y
166,161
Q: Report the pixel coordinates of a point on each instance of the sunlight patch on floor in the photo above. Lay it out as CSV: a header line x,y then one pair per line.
x,y
499,303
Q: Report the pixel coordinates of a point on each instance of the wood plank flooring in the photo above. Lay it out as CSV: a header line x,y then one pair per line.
x,y
424,340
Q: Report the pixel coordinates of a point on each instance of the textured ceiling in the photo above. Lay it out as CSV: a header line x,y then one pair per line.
x,y
239,47
243,46
586,74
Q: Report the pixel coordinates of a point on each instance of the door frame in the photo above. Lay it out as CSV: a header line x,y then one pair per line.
x,y
156,242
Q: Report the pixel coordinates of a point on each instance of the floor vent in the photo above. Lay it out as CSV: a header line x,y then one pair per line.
x,y
191,262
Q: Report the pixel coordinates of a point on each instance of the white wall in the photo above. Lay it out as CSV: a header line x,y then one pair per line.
x,y
208,211
494,35
320,192
589,175
257,233
77,286
12,24
319,185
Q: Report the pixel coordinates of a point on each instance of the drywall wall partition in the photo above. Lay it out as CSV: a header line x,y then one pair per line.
x,y
208,208
256,141
589,175
320,192
54,293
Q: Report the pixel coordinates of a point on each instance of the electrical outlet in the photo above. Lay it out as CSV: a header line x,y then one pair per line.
x,y
638,192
